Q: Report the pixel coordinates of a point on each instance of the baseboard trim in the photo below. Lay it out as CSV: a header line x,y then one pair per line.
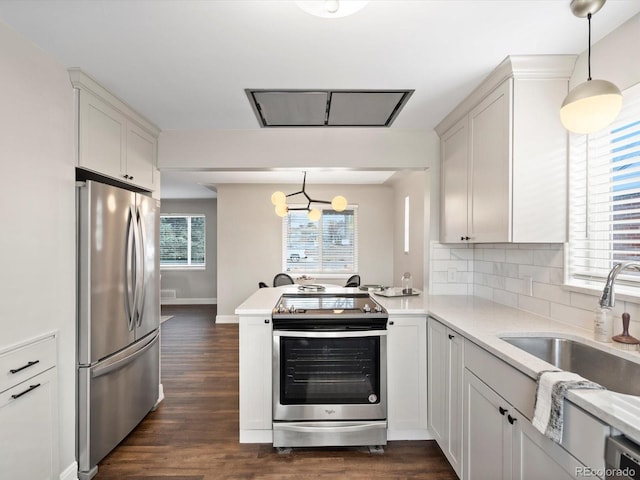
x,y
256,436
417,434
189,301
227,319
70,473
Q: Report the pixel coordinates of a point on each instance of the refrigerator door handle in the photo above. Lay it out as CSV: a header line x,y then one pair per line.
x,y
140,272
117,362
129,274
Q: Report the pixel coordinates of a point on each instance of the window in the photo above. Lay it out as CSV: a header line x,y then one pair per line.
x,y
604,203
329,245
182,241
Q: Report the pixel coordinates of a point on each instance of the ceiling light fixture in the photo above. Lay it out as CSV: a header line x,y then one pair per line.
x,y
594,104
331,8
279,199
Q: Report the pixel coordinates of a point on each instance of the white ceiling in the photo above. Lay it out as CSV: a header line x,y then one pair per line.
x,y
185,64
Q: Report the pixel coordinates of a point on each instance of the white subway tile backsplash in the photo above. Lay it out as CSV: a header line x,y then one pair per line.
x,y
554,293
495,255
523,257
462,253
534,305
548,258
498,272
505,298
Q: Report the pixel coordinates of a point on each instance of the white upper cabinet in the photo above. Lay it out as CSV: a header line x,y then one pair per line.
x,y
504,156
113,140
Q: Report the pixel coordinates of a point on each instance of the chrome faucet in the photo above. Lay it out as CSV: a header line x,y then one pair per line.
x,y
608,298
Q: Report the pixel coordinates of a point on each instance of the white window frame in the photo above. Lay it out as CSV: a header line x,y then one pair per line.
x,y
590,252
189,265
323,272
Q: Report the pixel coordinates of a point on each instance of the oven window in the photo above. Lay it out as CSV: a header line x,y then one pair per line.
x,y
329,370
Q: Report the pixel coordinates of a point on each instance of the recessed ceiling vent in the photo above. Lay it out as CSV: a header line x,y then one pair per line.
x,y
327,108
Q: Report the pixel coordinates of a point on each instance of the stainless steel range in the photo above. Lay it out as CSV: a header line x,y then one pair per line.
x,y
329,371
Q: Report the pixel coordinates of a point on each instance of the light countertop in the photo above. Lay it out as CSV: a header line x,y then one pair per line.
x,y
484,322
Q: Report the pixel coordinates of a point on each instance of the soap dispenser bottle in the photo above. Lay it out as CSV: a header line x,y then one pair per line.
x,y
603,324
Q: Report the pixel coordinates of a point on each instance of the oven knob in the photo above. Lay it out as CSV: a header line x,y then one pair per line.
x,y
378,309
366,308
292,309
281,308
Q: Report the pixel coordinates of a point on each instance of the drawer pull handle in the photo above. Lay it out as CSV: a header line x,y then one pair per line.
x,y
502,410
451,337
29,364
511,419
30,389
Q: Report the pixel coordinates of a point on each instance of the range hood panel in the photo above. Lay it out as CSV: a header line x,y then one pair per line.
x,y
284,109
370,109
327,108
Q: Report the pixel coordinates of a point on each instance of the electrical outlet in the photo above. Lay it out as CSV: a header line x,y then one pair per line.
x,y
451,274
528,285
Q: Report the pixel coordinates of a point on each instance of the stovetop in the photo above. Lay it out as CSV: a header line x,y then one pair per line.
x,y
328,306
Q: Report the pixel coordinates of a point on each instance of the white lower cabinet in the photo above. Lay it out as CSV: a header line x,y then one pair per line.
x,y
501,443
407,378
445,368
29,413
256,361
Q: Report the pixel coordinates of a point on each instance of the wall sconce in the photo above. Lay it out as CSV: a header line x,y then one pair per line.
x,y
279,199
594,104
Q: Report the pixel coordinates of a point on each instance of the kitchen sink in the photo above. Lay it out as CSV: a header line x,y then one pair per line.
x,y
612,372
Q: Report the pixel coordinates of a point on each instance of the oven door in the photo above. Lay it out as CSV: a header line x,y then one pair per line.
x,y
329,375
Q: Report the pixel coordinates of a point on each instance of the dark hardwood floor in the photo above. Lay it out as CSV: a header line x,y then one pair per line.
x,y
193,435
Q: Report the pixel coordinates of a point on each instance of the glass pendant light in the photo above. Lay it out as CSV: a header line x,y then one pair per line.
x,y
594,104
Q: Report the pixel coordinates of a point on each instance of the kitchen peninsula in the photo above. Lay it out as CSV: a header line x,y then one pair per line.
x,y
487,368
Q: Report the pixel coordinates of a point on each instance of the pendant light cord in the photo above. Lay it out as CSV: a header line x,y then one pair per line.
x,y
589,51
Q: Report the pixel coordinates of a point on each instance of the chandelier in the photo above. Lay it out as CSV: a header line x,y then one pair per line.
x,y
279,199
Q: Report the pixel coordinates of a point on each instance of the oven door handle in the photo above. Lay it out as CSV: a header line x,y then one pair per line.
x,y
331,428
322,334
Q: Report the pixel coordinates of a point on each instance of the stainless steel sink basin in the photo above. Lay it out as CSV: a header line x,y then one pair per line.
x,y
612,372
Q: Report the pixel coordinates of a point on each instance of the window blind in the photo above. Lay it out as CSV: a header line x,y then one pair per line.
x,y
329,245
604,201
182,241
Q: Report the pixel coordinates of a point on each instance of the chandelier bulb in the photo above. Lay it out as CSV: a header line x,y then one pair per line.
x,y
314,214
339,203
278,198
282,210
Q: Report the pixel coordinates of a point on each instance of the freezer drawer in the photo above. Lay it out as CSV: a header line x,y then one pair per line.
x,y
114,396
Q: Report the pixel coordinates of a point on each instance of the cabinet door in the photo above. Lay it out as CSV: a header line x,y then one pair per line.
x,y
455,370
454,172
28,432
490,167
407,375
536,457
255,373
102,137
437,383
141,156
487,434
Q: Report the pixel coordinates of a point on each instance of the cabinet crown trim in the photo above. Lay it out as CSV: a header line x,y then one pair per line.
x,y
518,67
82,81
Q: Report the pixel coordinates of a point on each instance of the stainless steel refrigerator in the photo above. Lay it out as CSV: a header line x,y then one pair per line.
x,y
118,317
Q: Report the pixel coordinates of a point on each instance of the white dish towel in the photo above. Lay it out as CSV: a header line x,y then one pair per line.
x,y
551,389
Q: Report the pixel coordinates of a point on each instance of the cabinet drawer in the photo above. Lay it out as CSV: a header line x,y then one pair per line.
x,y
22,363
513,385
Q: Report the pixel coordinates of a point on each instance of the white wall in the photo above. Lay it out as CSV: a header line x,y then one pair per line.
x,y
303,148
37,244
250,236
194,286
414,185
